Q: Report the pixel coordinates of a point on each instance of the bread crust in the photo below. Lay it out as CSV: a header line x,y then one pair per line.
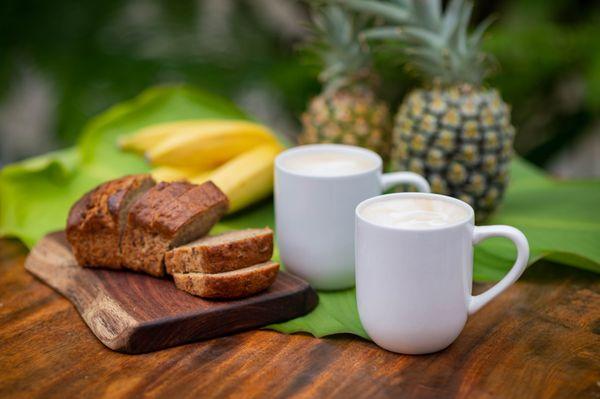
x,y
229,285
94,222
169,214
222,253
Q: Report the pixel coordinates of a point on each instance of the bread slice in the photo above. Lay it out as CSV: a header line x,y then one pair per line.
x,y
166,216
96,221
234,284
222,253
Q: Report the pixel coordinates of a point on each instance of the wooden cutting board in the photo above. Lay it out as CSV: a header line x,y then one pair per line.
x,y
136,313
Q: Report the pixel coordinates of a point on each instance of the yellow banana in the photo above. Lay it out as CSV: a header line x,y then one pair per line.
x,y
170,173
150,136
236,155
248,177
209,146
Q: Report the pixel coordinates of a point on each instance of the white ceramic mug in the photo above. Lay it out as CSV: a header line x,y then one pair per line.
x,y
413,286
315,214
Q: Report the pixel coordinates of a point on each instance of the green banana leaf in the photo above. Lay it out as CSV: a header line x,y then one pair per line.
x,y
560,218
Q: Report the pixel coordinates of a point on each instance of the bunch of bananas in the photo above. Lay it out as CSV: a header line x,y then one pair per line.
x,y
236,155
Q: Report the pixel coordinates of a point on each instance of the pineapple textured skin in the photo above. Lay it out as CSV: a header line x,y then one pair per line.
x,y
460,139
348,116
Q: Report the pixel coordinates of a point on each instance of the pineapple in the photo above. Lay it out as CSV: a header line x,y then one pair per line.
x,y
347,111
454,131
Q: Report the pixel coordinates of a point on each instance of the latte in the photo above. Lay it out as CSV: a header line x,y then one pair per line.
x,y
328,163
414,213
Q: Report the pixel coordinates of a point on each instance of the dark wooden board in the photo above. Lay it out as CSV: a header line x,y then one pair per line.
x,y
135,313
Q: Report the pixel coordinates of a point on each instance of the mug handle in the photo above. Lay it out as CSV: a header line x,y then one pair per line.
x,y
388,180
480,233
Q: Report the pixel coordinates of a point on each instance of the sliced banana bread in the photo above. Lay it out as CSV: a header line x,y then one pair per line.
x,y
169,215
222,253
96,221
234,284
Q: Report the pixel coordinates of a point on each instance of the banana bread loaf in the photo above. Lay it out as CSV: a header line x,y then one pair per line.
x,y
96,221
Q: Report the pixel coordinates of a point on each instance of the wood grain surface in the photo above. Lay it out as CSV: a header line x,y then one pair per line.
x,y
538,340
136,313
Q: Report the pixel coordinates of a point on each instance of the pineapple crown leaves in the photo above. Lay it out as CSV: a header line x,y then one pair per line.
x,y
345,60
436,42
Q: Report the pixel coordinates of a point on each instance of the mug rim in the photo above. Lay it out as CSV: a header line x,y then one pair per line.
x,y
440,197
338,147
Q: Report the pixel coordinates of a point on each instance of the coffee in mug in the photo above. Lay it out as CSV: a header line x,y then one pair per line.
x,y
414,213
414,266
328,163
317,188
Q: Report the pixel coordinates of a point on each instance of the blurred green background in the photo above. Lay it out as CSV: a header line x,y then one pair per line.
x,y
65,61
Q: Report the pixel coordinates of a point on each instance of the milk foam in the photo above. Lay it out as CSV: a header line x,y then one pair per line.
x,y
328,163
414,213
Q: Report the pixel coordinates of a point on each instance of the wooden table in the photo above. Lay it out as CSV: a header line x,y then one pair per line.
x,y
538,340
